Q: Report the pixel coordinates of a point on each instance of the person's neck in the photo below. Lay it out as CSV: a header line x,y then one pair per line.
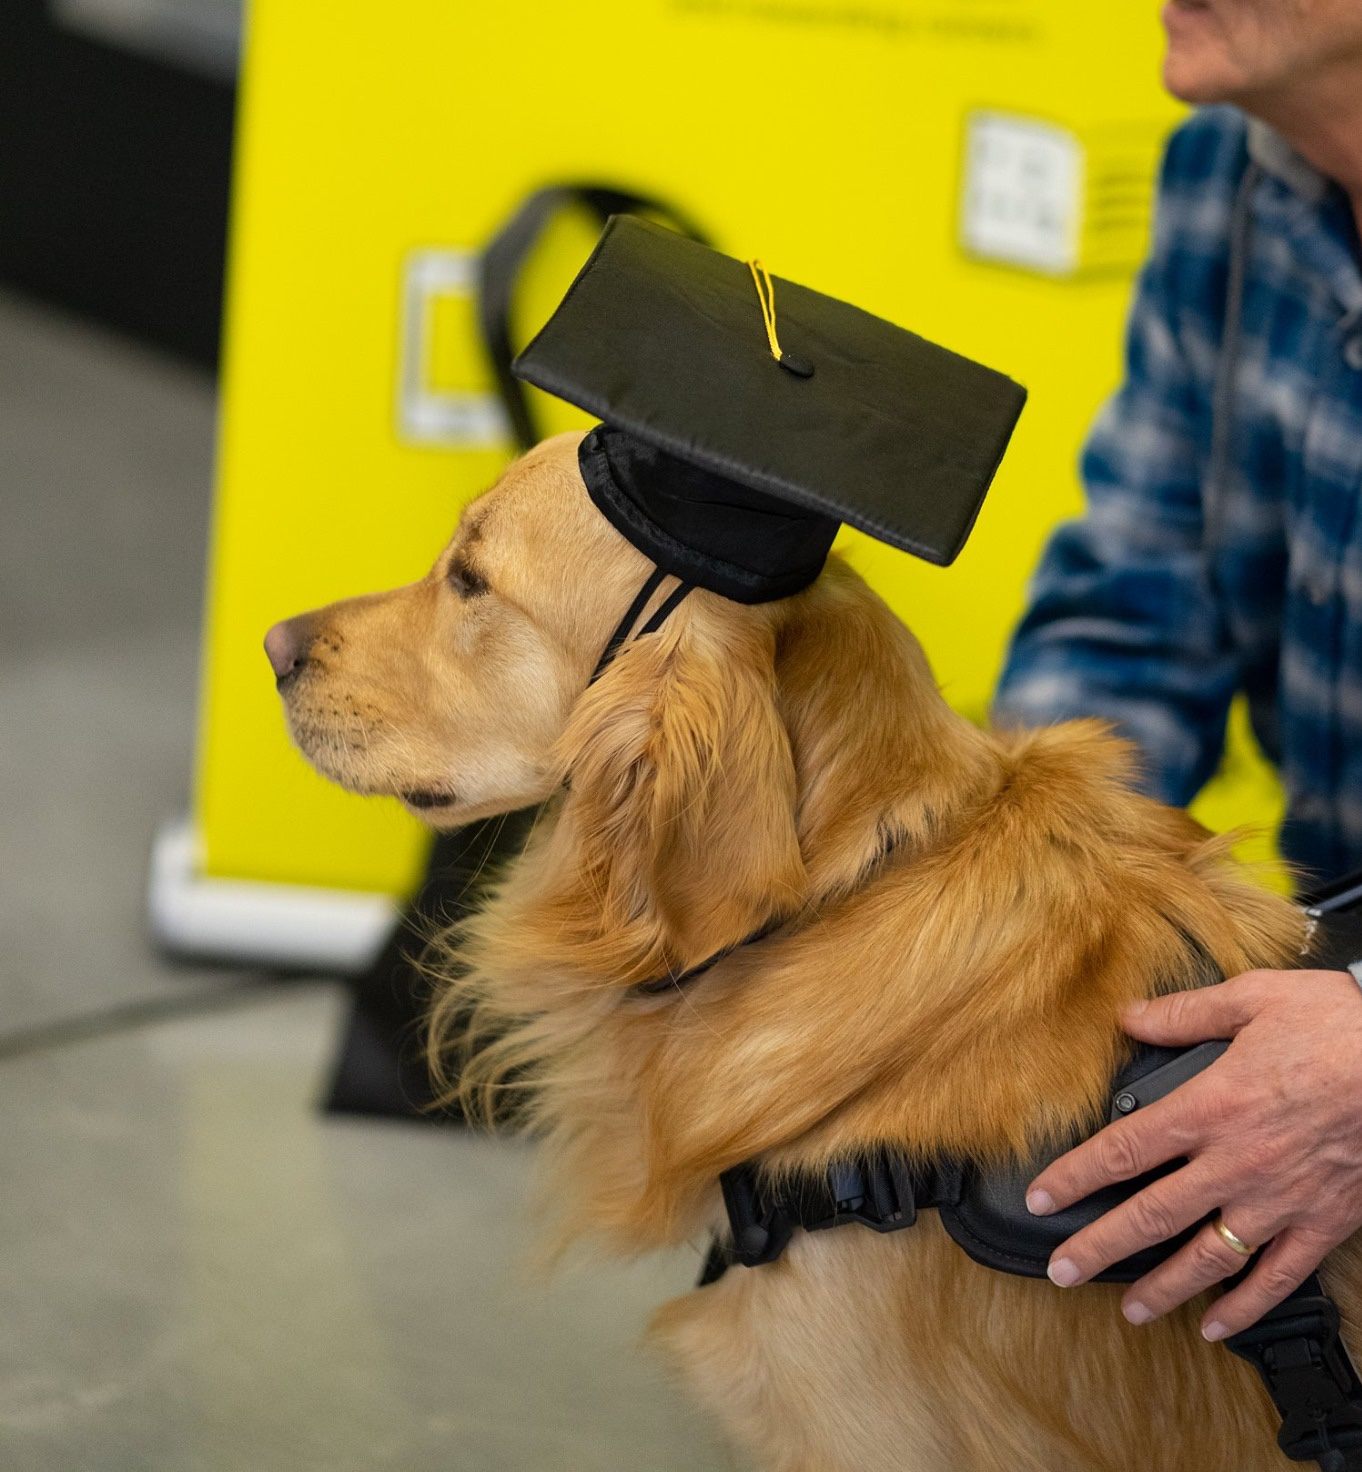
x,y
1325,128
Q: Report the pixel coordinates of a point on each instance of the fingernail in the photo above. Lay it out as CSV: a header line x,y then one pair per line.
x,y
1133,1009
1038,1203
1064,1274
1137,1313
1214,1330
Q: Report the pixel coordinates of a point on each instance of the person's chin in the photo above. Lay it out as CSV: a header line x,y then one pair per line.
x,y
1199,77
1193,85
1194,67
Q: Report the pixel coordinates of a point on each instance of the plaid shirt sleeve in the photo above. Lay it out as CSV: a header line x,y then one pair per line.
x,y
1122,622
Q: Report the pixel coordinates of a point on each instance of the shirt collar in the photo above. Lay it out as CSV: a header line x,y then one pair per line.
x,y
1272,153
1318,220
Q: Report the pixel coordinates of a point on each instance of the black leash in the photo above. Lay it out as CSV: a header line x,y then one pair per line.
x,y
502,264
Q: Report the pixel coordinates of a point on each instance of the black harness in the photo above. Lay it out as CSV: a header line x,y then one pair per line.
x,y
983,1210
1296,1347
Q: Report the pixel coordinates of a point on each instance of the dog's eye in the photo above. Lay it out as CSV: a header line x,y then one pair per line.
x,y
465,582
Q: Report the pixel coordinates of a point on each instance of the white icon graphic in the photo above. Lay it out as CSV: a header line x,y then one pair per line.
x,y
426,413
1023,194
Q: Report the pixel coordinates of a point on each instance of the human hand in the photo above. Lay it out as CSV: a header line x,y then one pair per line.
x,y
1271,1134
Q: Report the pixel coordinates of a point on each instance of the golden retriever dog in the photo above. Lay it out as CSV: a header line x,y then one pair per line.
x,y
956,918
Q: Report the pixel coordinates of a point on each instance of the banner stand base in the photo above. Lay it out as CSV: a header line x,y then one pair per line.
x,y
256,924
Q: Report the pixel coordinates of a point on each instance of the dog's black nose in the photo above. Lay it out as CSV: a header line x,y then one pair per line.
x,y
287,645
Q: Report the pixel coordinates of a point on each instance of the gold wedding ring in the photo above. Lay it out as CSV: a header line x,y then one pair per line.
x,y
1228,1237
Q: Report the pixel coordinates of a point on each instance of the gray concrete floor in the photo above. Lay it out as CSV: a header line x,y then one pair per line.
x,y
198,1272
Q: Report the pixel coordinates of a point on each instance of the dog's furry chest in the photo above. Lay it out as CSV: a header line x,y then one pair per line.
x,y
857,1350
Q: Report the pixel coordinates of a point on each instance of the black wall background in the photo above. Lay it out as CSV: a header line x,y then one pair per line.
x,y
114,178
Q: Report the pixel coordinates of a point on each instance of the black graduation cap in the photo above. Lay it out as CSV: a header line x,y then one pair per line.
x,y
745,416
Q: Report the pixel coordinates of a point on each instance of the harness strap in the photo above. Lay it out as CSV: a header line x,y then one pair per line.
x,y
882,1191
1297,1350
1296,1347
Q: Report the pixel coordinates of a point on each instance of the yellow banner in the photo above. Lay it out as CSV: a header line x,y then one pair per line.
x,y
977,170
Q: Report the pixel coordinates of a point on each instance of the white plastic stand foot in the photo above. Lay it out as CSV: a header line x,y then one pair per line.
x,y
255,923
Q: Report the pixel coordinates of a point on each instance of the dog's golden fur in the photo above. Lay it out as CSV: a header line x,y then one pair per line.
x,y
963,914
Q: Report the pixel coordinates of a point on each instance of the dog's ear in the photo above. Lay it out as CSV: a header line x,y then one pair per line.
x,y
683,784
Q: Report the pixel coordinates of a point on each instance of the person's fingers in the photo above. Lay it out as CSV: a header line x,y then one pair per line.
x,y
1163,1210
1207,1259
1291,1256
1165,1130
1196,1016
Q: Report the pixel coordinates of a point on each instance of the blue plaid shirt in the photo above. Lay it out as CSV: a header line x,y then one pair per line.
x,y
1221,549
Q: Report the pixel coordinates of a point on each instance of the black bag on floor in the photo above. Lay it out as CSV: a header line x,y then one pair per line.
x,y
381,1068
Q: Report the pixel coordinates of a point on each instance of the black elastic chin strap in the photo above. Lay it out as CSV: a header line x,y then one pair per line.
x,y
655,581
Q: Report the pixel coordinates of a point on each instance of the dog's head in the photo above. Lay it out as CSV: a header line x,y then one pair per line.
x,y
720,769
451,693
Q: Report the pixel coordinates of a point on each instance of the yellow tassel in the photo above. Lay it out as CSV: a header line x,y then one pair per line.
x,y
766,295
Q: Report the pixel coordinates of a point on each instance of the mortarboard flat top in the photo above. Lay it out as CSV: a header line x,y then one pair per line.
x,y
666,341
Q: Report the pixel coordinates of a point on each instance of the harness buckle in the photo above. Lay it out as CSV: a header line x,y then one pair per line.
x,y
875,1192
1297,1351
760,1225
